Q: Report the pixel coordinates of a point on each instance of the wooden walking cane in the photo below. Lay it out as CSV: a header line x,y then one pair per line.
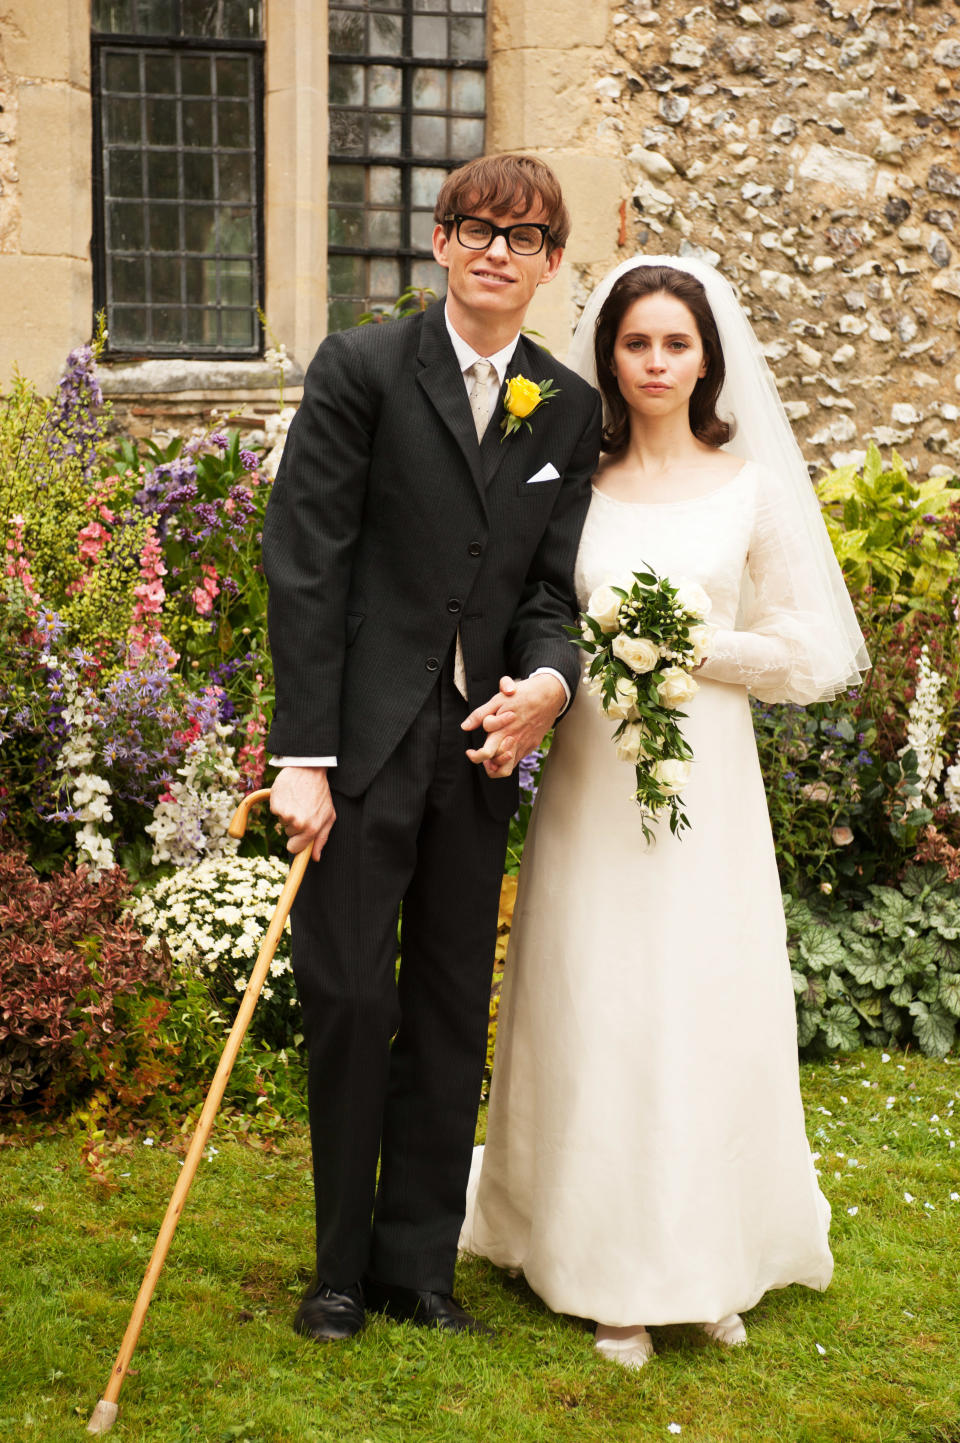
x,y
105,1414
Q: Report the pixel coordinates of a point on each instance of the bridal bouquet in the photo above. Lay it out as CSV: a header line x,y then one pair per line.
x,y
645,638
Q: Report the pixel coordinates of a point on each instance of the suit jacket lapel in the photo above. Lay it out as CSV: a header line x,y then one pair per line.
x,y
442,380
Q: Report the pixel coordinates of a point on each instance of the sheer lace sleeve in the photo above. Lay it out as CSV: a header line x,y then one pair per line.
x,y
788,645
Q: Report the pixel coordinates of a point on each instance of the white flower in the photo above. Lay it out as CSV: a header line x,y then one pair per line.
x,y
701,639
639,653
925,729
623,704
671,775
631,743
676,687
692,597
604,607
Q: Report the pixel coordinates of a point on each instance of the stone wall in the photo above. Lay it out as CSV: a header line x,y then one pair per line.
x,y
810,149
45,212
9,179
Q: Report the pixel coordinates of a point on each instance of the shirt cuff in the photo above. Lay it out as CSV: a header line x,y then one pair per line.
x,y
303,761
549,671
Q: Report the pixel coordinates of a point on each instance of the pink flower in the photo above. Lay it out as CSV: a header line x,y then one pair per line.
x,y
202,600
91,539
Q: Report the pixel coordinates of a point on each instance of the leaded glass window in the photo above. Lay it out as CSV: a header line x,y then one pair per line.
x,y
407,104
178,145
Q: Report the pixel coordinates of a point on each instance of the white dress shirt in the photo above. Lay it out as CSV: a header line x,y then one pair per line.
x,y
466,356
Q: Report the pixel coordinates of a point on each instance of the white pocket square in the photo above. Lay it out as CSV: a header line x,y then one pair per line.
x,y
546,473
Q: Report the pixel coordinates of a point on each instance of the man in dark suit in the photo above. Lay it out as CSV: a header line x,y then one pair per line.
x,y
420,563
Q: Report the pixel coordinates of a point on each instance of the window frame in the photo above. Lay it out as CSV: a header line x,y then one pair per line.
x,y
406,161
167,44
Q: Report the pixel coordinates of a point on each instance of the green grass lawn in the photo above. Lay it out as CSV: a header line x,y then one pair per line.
x,y
877,1357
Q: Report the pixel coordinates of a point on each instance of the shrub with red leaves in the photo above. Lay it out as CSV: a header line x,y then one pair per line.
x,y
73,977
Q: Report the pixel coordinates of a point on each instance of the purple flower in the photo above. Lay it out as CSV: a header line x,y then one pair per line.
x,y
528,773
219,438
249,460
50,627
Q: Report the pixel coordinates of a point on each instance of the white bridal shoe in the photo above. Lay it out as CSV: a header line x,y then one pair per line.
x,y
729,1330
630,1347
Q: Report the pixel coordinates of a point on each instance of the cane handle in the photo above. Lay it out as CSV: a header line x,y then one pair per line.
x,y
238,826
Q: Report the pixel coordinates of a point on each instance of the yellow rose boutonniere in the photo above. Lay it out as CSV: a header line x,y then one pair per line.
x,y
522,399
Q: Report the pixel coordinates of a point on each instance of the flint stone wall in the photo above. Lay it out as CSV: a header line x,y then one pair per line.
x,y
811,150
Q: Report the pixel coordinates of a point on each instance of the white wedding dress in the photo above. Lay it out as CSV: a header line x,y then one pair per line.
x,y
646,1160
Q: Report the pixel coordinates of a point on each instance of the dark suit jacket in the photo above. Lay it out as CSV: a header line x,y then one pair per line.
x,y
389,526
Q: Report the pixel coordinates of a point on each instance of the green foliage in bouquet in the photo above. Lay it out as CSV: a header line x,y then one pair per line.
x,y
888,972
645,638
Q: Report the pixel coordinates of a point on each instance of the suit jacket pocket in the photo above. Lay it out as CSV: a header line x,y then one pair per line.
x,y
541,489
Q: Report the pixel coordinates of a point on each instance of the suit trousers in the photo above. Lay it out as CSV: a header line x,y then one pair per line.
x,y
396,1059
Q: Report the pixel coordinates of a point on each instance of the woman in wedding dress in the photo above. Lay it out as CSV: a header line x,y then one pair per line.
x,y
646,1161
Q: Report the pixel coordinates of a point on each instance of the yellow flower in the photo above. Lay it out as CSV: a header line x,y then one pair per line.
x,y
522,396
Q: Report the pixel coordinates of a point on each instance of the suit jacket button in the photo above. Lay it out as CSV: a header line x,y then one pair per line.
x,y
474,549
432,664
453,604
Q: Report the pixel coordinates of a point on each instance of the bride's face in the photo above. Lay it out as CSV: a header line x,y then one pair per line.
x,y
658,355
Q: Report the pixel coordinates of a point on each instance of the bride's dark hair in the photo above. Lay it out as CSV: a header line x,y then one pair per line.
x,y
705,424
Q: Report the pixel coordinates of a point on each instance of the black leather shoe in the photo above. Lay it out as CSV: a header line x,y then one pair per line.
x,y
328,1315
430,1310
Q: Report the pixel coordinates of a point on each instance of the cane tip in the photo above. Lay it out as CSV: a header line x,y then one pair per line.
x,y
103,1417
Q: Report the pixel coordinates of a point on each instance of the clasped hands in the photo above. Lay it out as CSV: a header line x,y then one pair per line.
x,y
516,720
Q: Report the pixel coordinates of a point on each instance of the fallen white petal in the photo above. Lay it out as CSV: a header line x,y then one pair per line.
x,y
821,1349
674,1428
908,1197
853,1211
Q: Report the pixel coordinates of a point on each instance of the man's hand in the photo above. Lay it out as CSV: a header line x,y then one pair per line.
x,y
516,720
301,798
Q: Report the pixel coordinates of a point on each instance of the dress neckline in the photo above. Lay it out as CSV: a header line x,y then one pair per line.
x,y
683,501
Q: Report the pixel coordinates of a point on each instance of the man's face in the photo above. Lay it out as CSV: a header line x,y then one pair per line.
x,y
495,282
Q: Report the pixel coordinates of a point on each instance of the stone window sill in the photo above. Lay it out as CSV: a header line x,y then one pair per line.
x,y
164,377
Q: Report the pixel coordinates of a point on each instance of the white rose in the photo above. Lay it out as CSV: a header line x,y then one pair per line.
x,y
675,687
671,776
623,704
604,607
639,653
693,598
631,743
701,639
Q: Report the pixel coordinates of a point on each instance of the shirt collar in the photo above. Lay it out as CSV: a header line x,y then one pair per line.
x,y
466,355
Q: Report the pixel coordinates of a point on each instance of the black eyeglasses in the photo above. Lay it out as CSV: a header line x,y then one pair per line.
x,y
525,239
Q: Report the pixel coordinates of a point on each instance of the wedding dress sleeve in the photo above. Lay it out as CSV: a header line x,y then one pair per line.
x,y
786,646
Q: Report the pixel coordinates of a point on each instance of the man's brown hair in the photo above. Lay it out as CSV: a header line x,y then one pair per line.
x,y
503,184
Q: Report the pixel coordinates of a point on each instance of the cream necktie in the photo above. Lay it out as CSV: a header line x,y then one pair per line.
x,y
480,374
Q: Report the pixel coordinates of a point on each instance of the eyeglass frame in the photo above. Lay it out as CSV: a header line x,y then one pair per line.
x,y
503,230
